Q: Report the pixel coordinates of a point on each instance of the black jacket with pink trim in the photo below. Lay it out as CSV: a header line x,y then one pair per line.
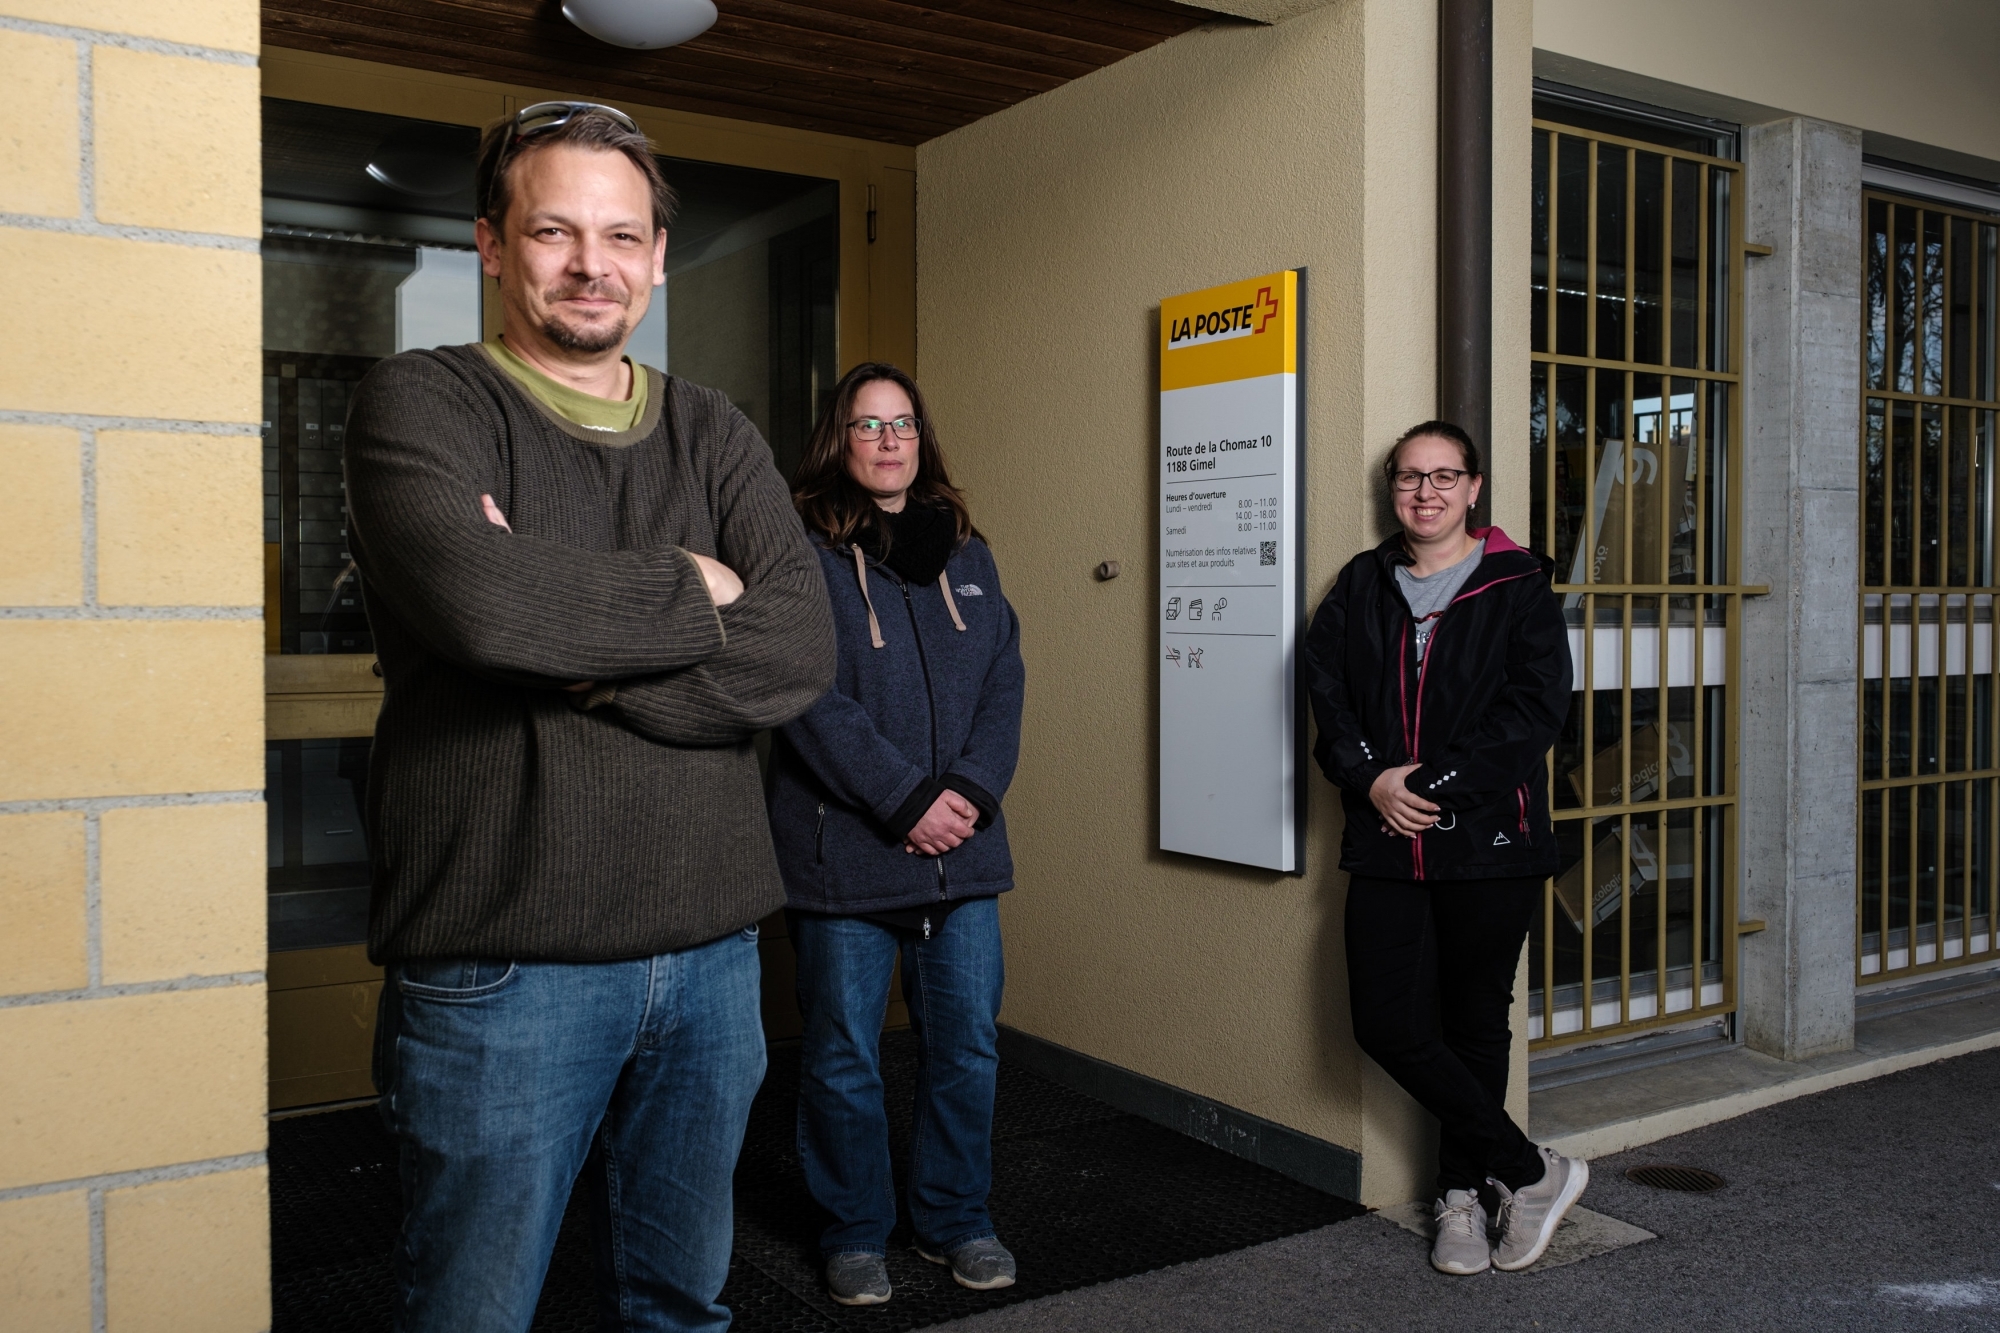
x,y
1478,713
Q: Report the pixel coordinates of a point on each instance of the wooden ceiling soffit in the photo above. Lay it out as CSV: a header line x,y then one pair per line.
x,y
886,70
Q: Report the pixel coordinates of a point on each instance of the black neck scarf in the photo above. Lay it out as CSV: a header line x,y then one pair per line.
x,y
920,539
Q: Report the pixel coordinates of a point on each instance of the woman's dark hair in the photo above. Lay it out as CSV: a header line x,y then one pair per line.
x,y
1443,430
836,506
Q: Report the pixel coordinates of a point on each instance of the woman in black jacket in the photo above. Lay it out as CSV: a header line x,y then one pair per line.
x,y
1439,671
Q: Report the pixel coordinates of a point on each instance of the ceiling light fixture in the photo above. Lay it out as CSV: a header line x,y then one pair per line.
x,y
643,25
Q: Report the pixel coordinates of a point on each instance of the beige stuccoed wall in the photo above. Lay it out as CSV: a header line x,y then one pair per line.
x,y
132,1179
1047,235
1918,70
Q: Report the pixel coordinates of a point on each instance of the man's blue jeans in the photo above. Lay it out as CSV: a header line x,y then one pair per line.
x,y
500,1079
952,984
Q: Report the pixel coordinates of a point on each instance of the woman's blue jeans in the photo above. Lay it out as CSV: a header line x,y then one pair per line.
x,y
503,1080
951,983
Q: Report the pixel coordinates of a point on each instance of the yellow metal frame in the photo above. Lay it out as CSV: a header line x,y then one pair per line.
x,y
1879,788
1627,596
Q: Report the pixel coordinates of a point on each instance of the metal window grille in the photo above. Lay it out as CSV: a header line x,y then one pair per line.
x,y
1928,773
1634,407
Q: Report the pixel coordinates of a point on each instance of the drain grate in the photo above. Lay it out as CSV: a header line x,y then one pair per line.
x,y
1686,1179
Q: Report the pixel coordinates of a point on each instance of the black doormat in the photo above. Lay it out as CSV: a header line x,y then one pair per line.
x,y
1082,1193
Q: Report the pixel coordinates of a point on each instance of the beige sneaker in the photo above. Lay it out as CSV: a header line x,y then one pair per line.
x,y
1530,1215
1460,1248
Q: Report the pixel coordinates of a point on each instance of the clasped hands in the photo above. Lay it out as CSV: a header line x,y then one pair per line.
x,y
724,586
1402,810
944,826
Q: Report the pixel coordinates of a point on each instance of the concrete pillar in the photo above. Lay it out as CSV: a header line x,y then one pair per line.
x,y
1801,514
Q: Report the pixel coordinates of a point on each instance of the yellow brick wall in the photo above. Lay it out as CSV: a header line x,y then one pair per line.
x,y
133,1191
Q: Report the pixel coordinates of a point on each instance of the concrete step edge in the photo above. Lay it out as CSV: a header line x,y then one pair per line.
x,y
1617,1136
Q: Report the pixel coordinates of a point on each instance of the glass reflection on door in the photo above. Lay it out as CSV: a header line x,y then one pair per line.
x,y
315,792
1929,819
1632,404
752,295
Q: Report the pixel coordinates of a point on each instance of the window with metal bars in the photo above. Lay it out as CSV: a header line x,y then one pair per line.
x,y
1634,402
1930,820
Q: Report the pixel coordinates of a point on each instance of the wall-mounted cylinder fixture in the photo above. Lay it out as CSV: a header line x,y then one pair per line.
x,y
1107,571
643,25
1465,223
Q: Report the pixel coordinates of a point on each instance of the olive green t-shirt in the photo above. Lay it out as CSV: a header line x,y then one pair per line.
x,y
585,409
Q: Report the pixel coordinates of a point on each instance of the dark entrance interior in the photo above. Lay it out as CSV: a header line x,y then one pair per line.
x,y
1082,1192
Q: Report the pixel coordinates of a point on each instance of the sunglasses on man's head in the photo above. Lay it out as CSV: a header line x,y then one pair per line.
x,y
544,116
532,120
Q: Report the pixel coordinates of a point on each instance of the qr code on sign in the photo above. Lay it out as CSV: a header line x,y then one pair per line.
x,y
1267,553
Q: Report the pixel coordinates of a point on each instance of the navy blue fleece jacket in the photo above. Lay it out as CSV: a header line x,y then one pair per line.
x,y
935,706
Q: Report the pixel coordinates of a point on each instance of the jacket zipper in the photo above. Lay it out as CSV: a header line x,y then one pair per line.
x,y
1423,668
1409,741
819,836
930,699
1430,647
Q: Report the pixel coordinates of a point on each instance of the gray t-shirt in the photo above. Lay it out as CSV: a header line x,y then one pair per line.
x,y
1430,595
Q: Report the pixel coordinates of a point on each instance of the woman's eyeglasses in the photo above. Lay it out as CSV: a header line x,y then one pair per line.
x,y
869,429
1441,478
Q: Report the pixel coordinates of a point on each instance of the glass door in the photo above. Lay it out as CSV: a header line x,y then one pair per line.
x,y
1634,403
1929,816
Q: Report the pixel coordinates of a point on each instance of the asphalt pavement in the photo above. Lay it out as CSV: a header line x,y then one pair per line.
x,y
1870,1207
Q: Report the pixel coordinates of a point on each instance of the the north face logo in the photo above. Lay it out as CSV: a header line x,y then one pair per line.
x,y
1501,840
968,590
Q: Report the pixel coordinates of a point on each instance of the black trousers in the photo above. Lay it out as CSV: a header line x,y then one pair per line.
x,y
1430,976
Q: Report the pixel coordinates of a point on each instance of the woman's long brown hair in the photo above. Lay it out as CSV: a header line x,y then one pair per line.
x,y
828,498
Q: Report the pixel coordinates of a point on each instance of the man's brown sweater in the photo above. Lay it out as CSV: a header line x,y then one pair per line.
x,y
506,819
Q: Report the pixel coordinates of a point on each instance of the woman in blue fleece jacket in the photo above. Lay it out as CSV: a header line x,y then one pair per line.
x,y
885,809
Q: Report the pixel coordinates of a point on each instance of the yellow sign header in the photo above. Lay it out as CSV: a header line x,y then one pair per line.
x,y
1238,331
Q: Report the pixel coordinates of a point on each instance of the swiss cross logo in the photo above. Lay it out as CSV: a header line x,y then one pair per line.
x,y
1267,308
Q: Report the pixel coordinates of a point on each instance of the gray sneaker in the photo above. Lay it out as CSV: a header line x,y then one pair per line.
x,y
982,1265
1530,1215
856,1277
1460,1248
